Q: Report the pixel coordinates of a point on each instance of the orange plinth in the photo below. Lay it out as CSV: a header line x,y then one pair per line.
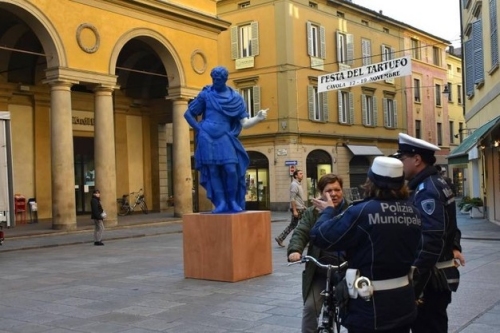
x,y
227,247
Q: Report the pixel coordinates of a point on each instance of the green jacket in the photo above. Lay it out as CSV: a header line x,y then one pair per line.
x,y
299,241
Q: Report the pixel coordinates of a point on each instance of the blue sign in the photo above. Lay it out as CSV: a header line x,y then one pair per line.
x,y
288,163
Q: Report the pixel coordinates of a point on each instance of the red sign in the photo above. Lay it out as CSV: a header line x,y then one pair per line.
x,y
292,169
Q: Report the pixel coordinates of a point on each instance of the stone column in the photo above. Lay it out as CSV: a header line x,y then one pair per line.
x,y
181,164
104,152
63,169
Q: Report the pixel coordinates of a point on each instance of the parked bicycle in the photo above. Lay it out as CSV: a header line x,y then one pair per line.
x,y
329,318
127,208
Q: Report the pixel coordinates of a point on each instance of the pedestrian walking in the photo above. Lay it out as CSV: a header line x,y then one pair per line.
x,y
380,235
313,278
436,274
297,206
98,215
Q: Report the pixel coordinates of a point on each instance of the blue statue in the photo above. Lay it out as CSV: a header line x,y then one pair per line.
x,y
219,156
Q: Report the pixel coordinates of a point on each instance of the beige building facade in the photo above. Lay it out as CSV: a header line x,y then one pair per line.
x,y
95,92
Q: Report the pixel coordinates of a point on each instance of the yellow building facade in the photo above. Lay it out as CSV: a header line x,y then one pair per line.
x,y
275,51
95,92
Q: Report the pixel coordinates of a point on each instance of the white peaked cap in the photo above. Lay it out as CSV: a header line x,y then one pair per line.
x,y
386,172
409,144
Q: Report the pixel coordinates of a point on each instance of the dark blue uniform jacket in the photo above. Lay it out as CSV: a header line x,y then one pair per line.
x,y
435,199
380,239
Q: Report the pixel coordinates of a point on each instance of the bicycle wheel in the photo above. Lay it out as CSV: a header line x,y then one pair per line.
x,y
124,209
324,322
144,207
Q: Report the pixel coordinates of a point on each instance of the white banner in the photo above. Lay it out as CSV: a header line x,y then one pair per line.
x,y
367,74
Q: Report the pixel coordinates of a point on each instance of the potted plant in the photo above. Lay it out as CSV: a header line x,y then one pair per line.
x,y
463,205
475,207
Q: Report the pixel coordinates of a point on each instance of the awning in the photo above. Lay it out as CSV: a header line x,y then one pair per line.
x,y
457,155
364,150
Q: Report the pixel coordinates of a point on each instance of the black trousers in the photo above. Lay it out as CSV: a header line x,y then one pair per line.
x,y
432,316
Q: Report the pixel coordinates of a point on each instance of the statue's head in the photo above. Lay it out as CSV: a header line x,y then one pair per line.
x,y
219,72
219,76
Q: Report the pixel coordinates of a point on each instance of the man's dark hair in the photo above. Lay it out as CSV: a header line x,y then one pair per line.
x,y
295,173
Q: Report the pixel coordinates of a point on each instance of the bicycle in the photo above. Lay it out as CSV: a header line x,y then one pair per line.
x,y
126,208
329,318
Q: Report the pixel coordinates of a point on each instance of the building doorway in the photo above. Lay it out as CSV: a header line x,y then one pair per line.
x,y
257,182
84,173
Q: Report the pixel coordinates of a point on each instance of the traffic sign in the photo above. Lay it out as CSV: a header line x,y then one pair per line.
x,y
288,163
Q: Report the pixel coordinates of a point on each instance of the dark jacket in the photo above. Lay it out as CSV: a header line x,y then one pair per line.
x,y
300,239
380,239
95,208
431,194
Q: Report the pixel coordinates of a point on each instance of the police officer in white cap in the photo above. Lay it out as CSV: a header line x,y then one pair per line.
x,y
380,235
436,274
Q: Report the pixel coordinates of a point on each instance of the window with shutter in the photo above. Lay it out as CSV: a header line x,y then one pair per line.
x,y
345,48
388,54
366,48
390,113
315,41
368,107
251,96
345,107
318,104
245,40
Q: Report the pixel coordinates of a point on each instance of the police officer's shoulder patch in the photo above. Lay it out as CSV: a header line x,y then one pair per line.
x,y
428,206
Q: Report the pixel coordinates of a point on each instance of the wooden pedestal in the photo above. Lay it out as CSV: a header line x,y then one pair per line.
x,y
227,247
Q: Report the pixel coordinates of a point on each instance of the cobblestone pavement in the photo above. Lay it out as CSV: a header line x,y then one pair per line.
x,y
59,282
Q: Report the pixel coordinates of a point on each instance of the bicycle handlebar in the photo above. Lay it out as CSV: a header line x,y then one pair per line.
x,y
305,259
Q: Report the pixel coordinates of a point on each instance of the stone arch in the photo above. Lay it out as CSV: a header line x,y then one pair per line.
x,y
161,46
315,158
42,27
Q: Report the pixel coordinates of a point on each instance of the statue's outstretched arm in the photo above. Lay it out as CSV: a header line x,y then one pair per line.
x,y
249,122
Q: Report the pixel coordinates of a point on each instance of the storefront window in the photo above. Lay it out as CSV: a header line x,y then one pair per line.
x,y
257,182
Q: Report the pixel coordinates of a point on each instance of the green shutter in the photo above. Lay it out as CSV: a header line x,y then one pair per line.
x,y
234,42
310,101
339,56
363,109
339,97
386,119
255,39
256,99
324,99
366,49
395,106
322,51
350,49
309,39
351,108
